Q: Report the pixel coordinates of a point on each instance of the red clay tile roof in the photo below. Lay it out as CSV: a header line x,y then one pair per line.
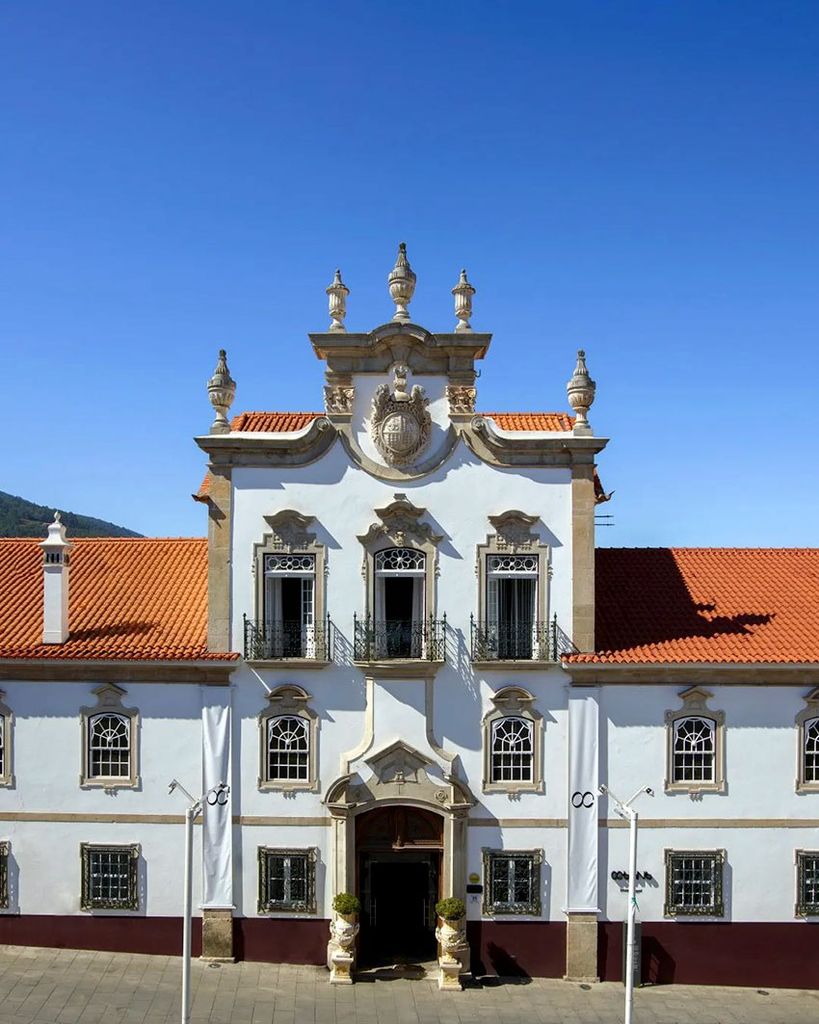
x,y
531,420
140,599
274,422
285,422
708,605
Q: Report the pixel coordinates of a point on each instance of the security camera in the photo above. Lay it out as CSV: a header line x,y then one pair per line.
x,y
602,789
649,790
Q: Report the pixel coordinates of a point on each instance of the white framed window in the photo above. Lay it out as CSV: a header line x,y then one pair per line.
x,y
695,760
513,743
289,621
109,741
511,881
512,750
288,748
6,733
288,740
512,567
399,605
109,746
287,880
695,747
109,877
289,605
693,883
807,883
807,745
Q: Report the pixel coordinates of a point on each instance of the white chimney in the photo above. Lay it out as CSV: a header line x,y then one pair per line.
x,y
55,583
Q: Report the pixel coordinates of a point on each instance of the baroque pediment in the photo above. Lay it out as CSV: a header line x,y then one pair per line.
x,y
400,522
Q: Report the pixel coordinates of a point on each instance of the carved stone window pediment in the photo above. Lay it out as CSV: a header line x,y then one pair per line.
x,y
690,751
121,731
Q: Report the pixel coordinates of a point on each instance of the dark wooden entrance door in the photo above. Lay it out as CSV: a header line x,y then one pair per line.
x,y
399,863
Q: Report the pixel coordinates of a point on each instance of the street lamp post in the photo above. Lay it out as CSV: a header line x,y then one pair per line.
x,y
627,812
217,795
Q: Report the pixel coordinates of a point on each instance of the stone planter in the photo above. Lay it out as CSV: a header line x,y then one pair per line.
x,y
454,958
341,948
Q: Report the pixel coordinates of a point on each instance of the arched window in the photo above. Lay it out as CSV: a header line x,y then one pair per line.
x,y
109,746
811,751
694,750
288,749
512,750
288,741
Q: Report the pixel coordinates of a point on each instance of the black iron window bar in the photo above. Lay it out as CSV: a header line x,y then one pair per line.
x,y
519,641
421,640
278,641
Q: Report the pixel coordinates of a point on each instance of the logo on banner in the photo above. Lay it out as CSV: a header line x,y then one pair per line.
x,y
582,799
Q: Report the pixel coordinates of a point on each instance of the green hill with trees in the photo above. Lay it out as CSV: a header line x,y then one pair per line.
x,y
21,518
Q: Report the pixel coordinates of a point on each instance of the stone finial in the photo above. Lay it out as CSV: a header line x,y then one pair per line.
x,y
580,390
56,539
221,391
463,292
402,284
338,292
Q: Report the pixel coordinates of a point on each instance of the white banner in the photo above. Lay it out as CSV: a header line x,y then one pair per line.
x,y
583,799
217,831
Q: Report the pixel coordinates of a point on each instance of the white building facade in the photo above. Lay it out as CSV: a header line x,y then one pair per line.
x,y
387,650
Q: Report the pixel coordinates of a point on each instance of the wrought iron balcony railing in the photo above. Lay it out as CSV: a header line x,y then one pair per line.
x,y
519,641
421,640
279,641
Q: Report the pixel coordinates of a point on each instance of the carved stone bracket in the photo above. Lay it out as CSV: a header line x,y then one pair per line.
x,y
461,398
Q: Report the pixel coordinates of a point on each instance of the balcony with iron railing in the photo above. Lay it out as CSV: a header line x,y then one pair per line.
x,y
310,646
399,645
519,643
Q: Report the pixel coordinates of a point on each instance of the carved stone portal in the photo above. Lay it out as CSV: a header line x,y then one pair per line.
x,y
400,423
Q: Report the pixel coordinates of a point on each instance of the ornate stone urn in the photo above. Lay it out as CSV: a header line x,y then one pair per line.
x,y
451,936
580,391
337,292
402,284
221,392
343,933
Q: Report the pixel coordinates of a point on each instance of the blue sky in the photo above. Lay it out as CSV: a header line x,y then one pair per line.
x,y
637,178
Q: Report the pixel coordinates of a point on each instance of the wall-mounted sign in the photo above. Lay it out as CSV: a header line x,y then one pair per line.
x,y
474,888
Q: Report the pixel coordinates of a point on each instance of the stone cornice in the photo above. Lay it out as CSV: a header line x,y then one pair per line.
x,y
375,351
751,674
213,673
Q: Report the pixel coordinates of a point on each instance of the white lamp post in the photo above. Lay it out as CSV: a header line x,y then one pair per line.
x,y
217,795
626,811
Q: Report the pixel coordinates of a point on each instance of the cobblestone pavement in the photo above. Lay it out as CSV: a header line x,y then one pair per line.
x,y
48,986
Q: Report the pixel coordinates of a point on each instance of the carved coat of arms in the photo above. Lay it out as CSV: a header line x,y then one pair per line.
x,y
400,423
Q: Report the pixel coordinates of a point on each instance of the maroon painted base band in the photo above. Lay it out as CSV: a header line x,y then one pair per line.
x,y
518,949
765,955
775,955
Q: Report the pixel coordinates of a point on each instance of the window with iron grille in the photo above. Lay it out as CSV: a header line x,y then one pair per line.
x,y
288,748
287,880
109,746
511,881
4,875
807,883
512,750
109,877
693,882
694,752
811,753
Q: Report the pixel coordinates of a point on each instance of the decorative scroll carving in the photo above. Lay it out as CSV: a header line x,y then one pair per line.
x,y
289,530
338,399
462,398
400,423
400,524
513,530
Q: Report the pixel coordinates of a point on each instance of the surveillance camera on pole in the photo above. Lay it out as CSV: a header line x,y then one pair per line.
x,y
627,812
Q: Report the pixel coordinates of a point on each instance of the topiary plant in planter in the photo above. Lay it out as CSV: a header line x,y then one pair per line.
x,y
451,909
346,903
